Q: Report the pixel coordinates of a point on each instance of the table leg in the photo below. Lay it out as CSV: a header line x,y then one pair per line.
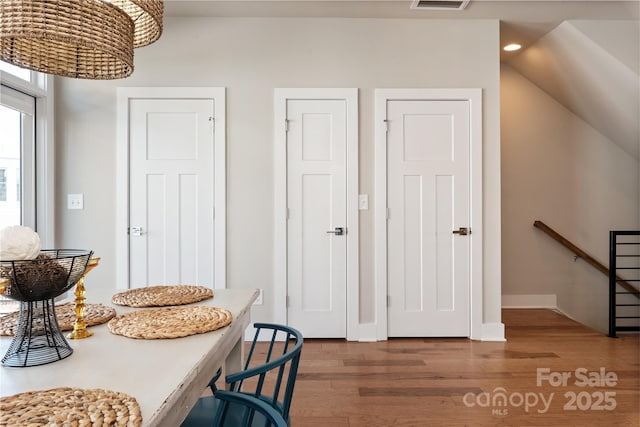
x,y
233,363
235,359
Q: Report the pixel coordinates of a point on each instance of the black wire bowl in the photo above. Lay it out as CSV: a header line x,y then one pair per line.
x,y
35,283
52,273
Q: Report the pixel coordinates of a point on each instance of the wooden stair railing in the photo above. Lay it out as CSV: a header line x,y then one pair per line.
x,y
585,256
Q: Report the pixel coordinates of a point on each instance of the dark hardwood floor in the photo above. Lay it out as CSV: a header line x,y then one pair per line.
x,y
551,371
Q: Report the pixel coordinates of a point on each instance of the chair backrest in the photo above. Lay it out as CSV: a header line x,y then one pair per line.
x,y
272,366
250,405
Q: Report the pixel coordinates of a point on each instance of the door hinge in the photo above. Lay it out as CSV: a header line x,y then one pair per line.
x,y
386,125
212,120
388,300
286,125
288,213
388,213
288,302
135,231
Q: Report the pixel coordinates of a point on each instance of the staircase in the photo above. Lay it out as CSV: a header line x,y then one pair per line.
x,y
624,258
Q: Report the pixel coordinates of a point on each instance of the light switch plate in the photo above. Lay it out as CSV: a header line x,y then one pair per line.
x,y
75,201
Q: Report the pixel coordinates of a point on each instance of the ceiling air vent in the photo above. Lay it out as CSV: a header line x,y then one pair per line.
x,y
439,4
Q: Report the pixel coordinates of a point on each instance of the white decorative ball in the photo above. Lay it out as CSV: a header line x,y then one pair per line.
x,y
18,242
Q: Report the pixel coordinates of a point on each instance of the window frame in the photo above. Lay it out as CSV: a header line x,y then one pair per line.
x,y
41,89
3,184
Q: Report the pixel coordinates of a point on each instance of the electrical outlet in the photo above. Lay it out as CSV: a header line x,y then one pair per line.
x,y
258,300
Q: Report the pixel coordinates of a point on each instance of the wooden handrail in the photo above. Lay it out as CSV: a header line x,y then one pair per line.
x,y
585,256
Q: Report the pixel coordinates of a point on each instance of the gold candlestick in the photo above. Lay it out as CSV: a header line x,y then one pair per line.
x,y
80,327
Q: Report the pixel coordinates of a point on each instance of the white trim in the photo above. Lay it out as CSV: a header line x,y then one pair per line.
x,y
29,158
530,301
45,164
474,96
40,87
380,214
125,94
368,332
350,95
493,332
559,311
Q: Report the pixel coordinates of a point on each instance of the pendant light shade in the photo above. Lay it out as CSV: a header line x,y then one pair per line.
x,y
147,19
88,39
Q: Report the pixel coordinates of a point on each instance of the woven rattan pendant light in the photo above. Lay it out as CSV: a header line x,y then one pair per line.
x,y
147,18
91,39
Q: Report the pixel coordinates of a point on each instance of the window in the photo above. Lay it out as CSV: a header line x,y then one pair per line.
x,y
26,155
26,149
17,149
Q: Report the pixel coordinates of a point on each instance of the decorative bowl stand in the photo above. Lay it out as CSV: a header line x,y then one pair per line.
x,y
37,339
36,283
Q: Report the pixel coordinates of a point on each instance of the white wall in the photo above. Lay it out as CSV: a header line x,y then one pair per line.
x,y
250,57
558,169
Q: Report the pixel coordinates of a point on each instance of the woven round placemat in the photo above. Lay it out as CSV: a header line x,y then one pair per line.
x,y
159,296
94,314
170,322
70,407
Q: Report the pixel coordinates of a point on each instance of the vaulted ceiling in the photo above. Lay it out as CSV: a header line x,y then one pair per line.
x,y
591,68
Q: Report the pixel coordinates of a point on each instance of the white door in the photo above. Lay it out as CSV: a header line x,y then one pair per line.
x,y
428,199
171,217
317,210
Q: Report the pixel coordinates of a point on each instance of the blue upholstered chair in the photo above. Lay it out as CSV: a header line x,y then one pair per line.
x,y
269,374
253,410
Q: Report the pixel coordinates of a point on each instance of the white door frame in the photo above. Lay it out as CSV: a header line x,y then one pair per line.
x,y
125,94
350,96
382,97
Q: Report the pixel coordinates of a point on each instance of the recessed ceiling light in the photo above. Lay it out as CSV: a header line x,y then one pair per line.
x,y
511,47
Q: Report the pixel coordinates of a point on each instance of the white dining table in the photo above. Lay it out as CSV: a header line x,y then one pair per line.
x,y
165,376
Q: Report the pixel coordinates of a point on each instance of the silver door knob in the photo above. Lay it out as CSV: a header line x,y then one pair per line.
x,y
338,231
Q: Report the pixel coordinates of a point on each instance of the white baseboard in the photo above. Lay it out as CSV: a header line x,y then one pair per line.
x,y
530,301
493,332
490,332
368,332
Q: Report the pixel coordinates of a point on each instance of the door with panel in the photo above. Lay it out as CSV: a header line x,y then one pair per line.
x,y
317,214
171,193
428,153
